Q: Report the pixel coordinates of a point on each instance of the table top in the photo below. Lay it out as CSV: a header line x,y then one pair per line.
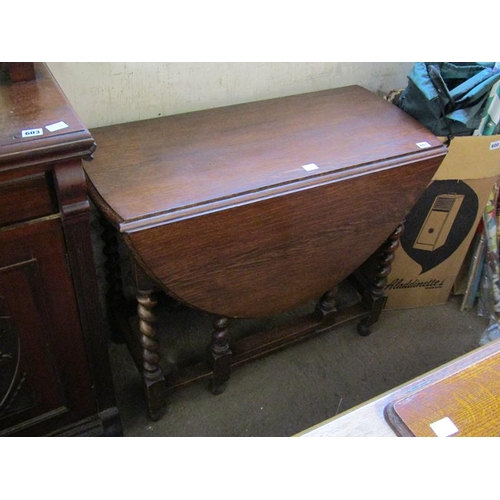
x,y
230,155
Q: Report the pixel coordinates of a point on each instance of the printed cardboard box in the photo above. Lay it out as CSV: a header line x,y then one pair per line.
x,y
439,229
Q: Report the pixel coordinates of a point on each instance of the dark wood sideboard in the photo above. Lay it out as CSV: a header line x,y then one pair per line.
x,y
55,376
251,210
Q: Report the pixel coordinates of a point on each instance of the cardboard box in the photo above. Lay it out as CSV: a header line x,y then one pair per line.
x,y
440,228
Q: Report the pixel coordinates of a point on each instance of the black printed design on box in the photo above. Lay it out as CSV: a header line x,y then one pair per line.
x,y
439,222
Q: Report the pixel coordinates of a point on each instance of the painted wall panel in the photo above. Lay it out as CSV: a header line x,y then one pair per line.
x,y
105,93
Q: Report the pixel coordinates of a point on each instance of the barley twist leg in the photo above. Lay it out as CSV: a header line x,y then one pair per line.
x,y
153,379
375,298
220,356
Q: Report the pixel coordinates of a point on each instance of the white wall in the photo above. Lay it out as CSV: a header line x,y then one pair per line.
x,y
108,93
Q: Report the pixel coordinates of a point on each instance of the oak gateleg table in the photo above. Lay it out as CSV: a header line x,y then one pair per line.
x,y
250,210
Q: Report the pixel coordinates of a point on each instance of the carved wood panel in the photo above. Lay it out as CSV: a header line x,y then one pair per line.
x,y
14,393
25,350
43,368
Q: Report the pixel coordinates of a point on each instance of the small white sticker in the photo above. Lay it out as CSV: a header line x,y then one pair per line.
x,y
310,166
56,126
423,145
444,427
495,145
32,132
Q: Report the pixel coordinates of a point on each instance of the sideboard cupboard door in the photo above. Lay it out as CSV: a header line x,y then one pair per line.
x,y
45,380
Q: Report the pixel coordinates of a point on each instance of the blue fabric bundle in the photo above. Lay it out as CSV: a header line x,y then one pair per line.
x,y
449,98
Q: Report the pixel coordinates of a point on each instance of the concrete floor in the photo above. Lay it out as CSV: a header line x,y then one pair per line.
x,y
304,384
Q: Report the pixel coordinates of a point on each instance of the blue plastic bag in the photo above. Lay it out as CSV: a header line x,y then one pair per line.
x,y
449,98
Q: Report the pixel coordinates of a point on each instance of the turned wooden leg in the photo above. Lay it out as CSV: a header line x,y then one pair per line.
x,y
220,356
154,381
327,304
114,290
374,298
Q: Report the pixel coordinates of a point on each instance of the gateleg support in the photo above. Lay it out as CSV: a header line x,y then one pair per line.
x,y
154,384
374,297
220,356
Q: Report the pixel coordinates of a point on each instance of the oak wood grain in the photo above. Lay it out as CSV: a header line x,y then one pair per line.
x,y
27,198
264,258
469,398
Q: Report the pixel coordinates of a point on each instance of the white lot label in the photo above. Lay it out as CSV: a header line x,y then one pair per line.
x,y
495,145
56,126
31,132
310,166
423,145
444,427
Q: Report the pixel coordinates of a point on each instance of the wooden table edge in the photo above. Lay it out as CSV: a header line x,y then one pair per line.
x,y
370,415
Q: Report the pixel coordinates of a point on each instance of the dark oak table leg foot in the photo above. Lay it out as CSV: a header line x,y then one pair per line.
x,y
153,378
220,356
327,305
374,297
364,326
